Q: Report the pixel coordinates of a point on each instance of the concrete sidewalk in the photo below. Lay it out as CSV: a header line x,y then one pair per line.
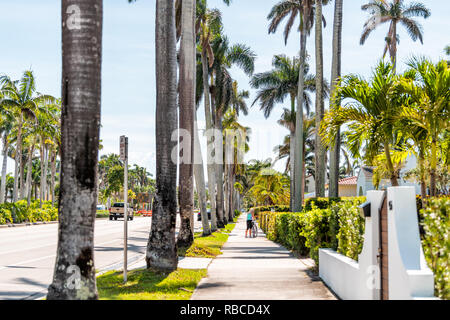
x,y
258,269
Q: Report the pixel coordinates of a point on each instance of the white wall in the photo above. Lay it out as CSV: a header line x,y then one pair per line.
x,y
409,275
349,279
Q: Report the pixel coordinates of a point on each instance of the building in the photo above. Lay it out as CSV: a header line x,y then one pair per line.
x,y
348,187
365,178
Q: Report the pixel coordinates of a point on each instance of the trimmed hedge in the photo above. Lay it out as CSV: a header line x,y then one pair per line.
x,y
339,227
326,203
436,243
277,208
27,214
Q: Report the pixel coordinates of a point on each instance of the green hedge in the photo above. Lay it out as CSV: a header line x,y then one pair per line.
x,y
326,203
436,243
27,214
338,227
276,208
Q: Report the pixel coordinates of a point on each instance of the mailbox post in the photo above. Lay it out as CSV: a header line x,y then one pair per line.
x,y
124,158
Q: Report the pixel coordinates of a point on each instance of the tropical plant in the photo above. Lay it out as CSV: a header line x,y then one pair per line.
x,y
427,86
278,84
21,97
370,115
394,12
271,188
305,10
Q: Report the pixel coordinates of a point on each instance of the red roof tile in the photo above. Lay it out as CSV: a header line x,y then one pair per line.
x,y
349,181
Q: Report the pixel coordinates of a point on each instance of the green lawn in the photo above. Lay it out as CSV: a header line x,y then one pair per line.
x,y
149,285
146,284
102,213
207,247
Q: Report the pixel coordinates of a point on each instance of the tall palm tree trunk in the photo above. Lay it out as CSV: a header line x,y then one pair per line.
x,y
200,180
298,159
320,162
393,174
74,273
43,174
53,174
292,159
187,109
210,142
29,172
219,169
18,159
162,247
335,74
22,194
4,168
433,166
423,184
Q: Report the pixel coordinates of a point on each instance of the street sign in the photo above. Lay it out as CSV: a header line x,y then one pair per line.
x,y
124,157
123,148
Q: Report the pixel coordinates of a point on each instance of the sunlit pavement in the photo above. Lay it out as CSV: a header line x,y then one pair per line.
x,y
27,254
258,269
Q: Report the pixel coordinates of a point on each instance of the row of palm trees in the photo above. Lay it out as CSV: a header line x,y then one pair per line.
x,y
29,122
204,61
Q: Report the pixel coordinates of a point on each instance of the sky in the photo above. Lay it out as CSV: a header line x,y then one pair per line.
x,y
31,39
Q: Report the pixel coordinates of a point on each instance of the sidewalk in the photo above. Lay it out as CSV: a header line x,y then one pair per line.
x,y
258,269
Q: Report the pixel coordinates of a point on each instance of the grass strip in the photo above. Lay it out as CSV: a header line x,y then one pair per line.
x,y
147,284
209,246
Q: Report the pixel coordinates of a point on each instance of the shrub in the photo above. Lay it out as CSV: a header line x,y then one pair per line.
x,y
276,208
326,203
5,216
350,235
31,214
337,226
436,244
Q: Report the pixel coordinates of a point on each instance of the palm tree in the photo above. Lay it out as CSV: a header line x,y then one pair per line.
x,y
278,84
271,188
335,75
200,180
288,121
21,97
80,128
320,151
187,110
292,9
428,86
210,25
370,116
162,247
396,12
222,91
7,122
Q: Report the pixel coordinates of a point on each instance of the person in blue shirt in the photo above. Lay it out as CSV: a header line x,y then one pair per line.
x,y
250,218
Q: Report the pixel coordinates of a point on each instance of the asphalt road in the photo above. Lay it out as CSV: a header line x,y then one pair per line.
x,y
27,254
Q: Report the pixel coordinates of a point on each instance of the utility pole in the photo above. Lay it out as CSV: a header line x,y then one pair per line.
x,y
124,158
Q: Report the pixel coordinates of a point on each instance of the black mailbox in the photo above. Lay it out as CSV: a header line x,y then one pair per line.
x,y
364,210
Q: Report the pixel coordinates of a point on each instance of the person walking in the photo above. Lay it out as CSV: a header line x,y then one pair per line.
x,y
250,218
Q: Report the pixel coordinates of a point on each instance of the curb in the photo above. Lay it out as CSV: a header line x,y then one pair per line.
x,y
28,224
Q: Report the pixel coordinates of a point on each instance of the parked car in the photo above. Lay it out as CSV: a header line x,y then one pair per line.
x,y
199,215
117,211
101,207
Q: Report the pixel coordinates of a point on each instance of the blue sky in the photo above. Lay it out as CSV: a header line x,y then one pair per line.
x,y
31,38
